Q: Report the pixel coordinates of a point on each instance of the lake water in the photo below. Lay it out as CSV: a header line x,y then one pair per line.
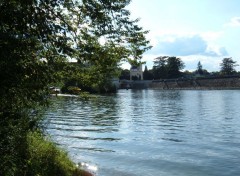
x,y
152,132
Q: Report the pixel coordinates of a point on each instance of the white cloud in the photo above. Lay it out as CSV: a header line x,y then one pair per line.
x,y
234,22
209,63
190,47
211,35
216,51
187,45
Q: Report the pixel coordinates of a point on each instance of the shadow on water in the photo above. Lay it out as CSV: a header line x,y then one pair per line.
x,y
73,112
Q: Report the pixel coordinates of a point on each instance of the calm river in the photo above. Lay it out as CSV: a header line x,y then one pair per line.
x,y
151,132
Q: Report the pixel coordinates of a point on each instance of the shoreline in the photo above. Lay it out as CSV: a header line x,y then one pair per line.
x,y
183,84
63,95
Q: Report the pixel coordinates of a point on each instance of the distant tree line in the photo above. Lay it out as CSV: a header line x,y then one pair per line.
x,y
170,67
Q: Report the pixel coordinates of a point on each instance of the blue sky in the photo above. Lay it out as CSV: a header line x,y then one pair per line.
x,y
194,30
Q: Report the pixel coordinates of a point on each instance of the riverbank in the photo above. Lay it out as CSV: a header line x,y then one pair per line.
x,y
64,95
218,83
46,158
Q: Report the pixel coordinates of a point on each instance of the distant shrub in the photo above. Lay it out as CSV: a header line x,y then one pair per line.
x,y
73,90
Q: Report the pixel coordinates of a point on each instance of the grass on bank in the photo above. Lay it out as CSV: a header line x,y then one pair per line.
x,y
46,159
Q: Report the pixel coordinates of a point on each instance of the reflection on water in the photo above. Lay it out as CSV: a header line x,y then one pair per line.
x,y
151,132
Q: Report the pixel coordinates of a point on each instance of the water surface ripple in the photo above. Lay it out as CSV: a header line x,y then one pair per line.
x,y
151,132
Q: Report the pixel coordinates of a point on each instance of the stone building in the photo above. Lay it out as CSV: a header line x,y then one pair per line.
x,y
136,73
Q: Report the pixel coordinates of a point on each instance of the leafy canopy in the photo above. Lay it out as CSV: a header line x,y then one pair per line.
x,y
228,66
167,67
36,38
57,30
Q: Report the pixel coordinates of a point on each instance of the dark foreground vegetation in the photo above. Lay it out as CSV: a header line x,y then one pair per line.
x,y
37,39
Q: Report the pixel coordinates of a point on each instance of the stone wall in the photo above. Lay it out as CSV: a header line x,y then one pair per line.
x,y
207,83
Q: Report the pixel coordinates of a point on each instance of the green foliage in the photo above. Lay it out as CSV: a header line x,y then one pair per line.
x,y
199,68
125,74
36,40
90,78
13,144
160,67
45,159
147,74
167,67
174,65
228,66
73,90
